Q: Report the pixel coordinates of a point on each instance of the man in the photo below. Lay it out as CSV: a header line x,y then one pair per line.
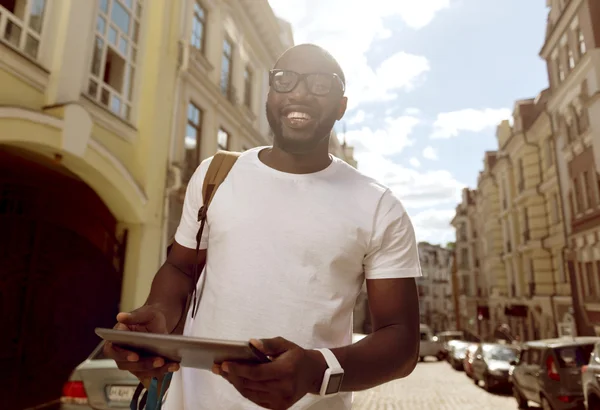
x,y
292,234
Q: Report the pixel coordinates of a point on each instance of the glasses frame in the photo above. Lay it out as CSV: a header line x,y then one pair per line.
x,y
304,77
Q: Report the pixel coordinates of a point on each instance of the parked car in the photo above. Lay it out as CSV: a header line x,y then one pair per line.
x,y
590,380
548,372
446,337
468,361
429,346
491,364
457,354
97,383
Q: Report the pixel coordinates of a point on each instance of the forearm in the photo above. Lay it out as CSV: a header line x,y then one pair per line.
x,y
387,354
170,289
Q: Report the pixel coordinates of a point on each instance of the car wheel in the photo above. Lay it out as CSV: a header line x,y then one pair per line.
x,y
546,404
420,358
521,401
440,357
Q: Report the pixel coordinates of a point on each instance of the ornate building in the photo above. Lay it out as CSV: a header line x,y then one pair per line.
x,y
572,52
470,281
435,287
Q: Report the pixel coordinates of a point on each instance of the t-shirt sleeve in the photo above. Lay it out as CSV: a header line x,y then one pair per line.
x,y
392,251
189,225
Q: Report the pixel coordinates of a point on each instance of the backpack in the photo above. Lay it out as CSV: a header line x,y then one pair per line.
x,y
150,394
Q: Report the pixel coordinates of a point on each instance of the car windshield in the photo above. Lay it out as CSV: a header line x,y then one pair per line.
x,y
460,348
501,353
574,356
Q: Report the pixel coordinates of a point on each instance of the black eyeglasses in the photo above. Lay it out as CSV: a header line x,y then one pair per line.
x,y
285,81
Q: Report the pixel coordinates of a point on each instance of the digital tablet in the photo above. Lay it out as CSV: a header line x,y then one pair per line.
x,y
188,351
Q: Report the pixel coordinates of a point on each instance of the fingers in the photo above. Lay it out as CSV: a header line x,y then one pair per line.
x,y
139,316
119,354
255,372
273,347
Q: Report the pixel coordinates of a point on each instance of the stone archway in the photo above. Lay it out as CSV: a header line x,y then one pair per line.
x,y
60,275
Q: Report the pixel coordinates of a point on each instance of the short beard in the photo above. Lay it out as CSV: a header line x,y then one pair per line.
x,y
322,133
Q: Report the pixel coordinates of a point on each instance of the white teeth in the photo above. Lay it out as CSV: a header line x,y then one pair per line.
x,y
295,115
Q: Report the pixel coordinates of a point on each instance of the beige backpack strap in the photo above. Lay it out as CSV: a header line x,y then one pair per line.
x,y
217,171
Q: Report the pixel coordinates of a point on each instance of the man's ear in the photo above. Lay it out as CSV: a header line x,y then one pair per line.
x,y
343,106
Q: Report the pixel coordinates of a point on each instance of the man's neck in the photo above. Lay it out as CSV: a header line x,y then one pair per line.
x,y
308,163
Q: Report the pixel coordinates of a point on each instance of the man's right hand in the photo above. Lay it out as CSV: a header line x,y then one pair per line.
x,y
147,319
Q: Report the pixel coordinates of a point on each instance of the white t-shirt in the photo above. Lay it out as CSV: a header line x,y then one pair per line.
x,y
287,256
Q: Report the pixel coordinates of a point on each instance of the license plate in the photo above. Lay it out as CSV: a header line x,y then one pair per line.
x,y
121,393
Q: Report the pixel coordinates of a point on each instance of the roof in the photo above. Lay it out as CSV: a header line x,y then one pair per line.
x,y
562,341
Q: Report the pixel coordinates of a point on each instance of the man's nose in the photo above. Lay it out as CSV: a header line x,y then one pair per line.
x,y
301,90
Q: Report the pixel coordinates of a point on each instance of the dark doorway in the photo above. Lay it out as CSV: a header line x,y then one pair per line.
x,y
60,276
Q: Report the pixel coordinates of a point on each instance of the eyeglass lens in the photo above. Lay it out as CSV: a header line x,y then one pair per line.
x,y
286,81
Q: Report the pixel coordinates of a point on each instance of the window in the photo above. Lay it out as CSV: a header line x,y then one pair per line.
x,y
21,24
193,133
549,152
464,258
587,188
581,40
226,68
578,198
590,275
223,139
555,209
198,27
248,87
559,69
112,71
571,59
526,235
521,176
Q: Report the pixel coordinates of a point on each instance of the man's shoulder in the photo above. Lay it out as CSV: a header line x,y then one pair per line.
x,y
360,180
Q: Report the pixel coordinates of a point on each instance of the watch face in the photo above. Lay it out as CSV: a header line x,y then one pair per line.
x,y
335,383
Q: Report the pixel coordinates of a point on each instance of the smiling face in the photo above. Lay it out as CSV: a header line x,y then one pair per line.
x,y
305,99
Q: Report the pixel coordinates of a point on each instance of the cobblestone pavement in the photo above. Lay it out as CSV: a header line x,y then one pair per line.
x,y
432,386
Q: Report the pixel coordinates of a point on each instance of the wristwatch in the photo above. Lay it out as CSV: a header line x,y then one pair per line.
x,y
332,380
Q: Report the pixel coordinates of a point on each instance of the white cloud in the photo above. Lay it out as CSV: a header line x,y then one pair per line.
x,y
358,118
433,226
450,124
414,162
312,22
429,153
390,140
416,189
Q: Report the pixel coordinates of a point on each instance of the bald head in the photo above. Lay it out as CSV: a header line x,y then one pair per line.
x,y
313,53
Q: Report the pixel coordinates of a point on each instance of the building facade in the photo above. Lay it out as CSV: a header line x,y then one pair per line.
x,y
106,107
86,95
490,243
470,282
572,52
227,49
435,287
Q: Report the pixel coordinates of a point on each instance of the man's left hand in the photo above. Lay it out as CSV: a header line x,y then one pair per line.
x,y
277,385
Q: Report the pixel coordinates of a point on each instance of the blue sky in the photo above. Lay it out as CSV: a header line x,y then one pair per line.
x,y
428,81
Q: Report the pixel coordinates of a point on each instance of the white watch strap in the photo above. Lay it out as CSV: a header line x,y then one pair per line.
x,y
332,361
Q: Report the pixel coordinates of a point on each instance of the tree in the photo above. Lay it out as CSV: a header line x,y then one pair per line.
x,y
450,245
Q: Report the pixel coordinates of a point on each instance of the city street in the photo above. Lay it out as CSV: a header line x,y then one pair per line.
x,y
433,385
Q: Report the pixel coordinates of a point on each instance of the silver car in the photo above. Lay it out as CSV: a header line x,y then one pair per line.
x,y
97,383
